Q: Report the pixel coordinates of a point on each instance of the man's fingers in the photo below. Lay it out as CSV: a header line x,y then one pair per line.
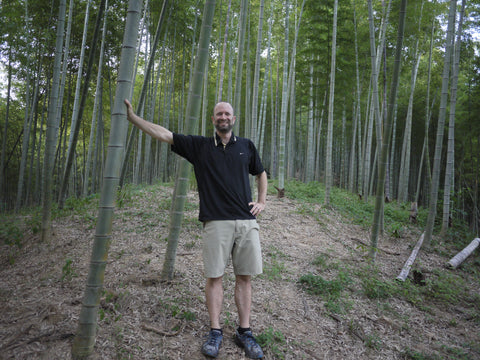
x,y
256,209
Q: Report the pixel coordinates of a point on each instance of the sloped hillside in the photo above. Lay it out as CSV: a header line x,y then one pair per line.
x,y
317,299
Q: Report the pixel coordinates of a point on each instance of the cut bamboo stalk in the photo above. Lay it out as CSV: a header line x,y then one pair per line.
x,y
462,255
408,264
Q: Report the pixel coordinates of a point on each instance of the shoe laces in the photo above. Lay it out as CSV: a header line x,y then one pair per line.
x,y
214,338
248,339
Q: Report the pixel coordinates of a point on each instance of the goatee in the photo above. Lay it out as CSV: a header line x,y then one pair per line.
x,y
224,129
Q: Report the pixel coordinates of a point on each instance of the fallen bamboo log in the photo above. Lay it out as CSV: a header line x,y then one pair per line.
x,y
462,255
408,264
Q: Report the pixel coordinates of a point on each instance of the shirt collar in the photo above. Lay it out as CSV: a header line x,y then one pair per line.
x,y
218,139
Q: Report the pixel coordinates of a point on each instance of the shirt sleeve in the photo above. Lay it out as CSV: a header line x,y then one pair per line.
x,y
255,166
184,145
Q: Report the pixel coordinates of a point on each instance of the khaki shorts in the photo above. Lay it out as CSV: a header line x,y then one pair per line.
x,y
238,238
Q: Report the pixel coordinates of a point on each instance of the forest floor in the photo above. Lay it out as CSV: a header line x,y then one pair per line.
x,y
358,312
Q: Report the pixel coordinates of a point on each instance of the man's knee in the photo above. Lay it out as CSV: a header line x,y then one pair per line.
x,y
212,282
243,279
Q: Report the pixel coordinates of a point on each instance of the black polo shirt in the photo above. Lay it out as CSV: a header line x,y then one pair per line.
x,y
221,173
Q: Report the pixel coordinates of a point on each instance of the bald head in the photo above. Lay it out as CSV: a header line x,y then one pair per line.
x,y
223,118
223,106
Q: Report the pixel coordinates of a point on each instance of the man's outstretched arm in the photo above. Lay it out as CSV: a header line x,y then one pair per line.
x,y
156,131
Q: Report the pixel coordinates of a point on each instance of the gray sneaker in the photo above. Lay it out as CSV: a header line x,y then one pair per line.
x,y
211,346
248,342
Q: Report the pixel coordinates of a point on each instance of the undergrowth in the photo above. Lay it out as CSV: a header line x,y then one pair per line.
x,y
352,207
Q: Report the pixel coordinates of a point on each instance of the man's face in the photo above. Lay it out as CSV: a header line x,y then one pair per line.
x,y
223,118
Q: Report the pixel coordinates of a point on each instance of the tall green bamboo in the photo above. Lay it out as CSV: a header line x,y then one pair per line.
x,y
425,153
256,77
266,81
224,52
52,128
386,136
407,137
329,145
80,69
310,163
283,111
242,27
437,159
86,85
27,120
291,89
404,177
143,92
96,107
84,340
193,112
449,169
3,200
374,105
139,134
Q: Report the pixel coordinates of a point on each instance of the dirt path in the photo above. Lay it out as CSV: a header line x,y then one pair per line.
x,y
39,309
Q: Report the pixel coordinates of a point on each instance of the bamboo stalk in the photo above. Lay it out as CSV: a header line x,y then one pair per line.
x,y
408,264
462,255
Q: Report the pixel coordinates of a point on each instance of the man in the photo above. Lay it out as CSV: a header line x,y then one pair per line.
x,y
222,165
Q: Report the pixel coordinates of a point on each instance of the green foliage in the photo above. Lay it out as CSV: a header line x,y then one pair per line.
x,y
273,341
321,261
274,266
397,230
328,289
375,288
68,272
34,222
176,309
82,204
412,354
111,305
274,270
124,195
307,192
12,236
457,353
188,315
410,292
10,233
373,341
447,288
351,207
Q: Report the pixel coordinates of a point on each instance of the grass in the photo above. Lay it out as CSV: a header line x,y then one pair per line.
x,y
331,291
274,264
274,341
349,205
442,288
68,271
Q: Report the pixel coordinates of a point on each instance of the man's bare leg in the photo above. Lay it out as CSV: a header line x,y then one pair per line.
x,y
243,299
214,299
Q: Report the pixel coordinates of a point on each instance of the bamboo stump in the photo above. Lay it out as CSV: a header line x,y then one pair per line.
x,y
462,255
408,264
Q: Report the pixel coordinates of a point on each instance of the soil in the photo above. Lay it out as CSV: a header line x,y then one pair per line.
x,y
142,317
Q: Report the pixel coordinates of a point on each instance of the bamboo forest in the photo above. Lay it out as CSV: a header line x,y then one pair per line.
x,y
377,102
